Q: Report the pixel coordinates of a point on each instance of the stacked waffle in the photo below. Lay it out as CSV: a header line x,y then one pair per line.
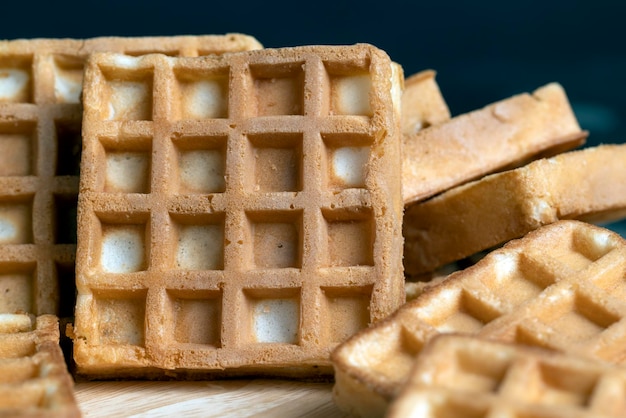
x,y
34,381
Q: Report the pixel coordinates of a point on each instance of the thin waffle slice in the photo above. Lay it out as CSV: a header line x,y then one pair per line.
x,y
40,145
588,184
561,287
502,135
422,103
34,381
458,375
238,214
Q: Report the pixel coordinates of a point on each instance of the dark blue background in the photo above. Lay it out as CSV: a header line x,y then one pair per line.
x,y
483,51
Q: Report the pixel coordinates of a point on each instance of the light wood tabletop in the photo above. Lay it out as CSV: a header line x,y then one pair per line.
x,y
223,398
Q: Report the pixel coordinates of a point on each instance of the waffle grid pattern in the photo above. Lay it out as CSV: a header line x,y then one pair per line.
x,y
560,288
465,376
40,146
34,381
235,208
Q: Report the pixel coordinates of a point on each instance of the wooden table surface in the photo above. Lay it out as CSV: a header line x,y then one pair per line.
x,y
229,398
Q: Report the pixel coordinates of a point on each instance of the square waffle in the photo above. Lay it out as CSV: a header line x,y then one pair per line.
x,y
237,214
457,375
34,381
501,135
588,184
40,146
560,287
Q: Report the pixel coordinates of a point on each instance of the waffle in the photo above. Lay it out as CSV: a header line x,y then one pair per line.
x,y
588,184
40,145
422,103
237,214
560,287
467,376
34,381
502,135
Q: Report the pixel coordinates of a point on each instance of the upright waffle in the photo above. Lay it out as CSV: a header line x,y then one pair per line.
x,y
462,376
34,381
237,214
561,287
422,103
588,184
40,145
504,134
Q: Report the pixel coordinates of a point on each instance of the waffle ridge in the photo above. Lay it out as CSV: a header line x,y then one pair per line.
x,y
560,287
286,238
40,146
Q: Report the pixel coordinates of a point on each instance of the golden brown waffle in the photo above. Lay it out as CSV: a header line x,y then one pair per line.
x,y
588,184
422,103
237,214
463,376
34,381
559,287
502,135
40,145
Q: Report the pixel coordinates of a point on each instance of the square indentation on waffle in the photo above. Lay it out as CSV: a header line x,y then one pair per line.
x,y
347,160
121,317
127,94
123,247
16,224
68,78
17,149
277,160
197,317
277,89
127,164
276,239
201,163
17,283
274,315
346,311
34,380
201,94
559,287
349,235
350,89
16,79
243,212
199,241
41,82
